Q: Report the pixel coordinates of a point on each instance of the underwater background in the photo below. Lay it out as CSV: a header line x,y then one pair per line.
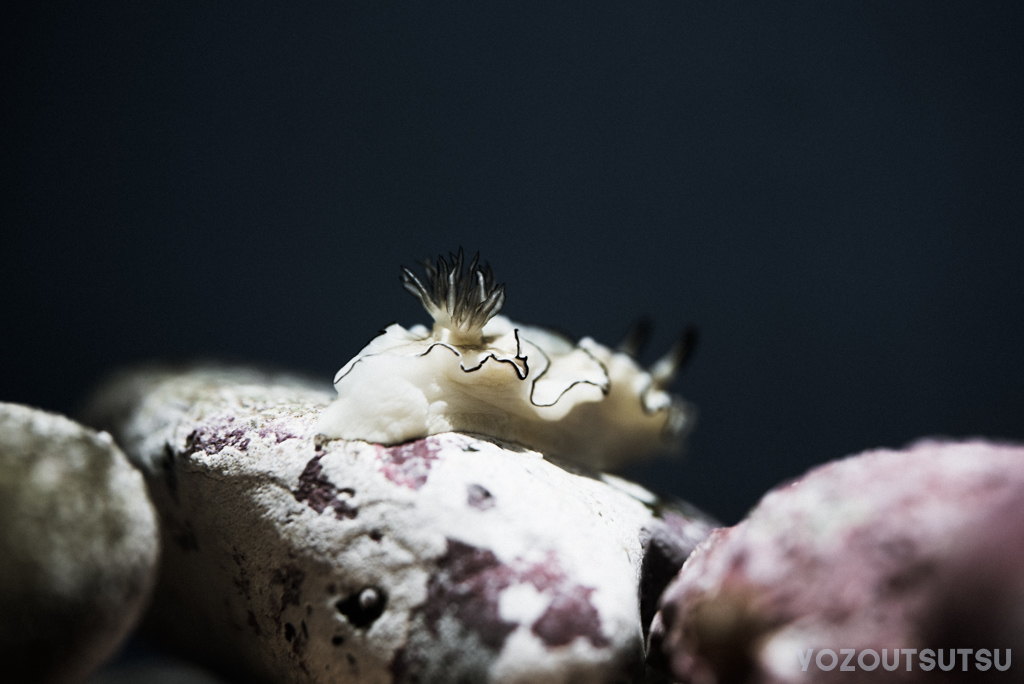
x,y
832,193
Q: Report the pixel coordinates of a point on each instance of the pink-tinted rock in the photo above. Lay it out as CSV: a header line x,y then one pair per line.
x,y
452,558
885,552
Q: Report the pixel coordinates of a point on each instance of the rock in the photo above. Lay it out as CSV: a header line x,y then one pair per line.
x,y
158,671
78,546
449,558
921,549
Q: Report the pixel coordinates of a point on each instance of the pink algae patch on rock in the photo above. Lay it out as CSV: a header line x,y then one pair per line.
x,y
467,586
887,549
570,615
221,432
319,493
408,465
469,583
218,434
277,432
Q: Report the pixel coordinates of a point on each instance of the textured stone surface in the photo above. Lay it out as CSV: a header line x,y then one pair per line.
x,y
446,559
78,546
917,549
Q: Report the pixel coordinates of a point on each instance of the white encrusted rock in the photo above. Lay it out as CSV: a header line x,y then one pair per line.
x,y
450,558
78,546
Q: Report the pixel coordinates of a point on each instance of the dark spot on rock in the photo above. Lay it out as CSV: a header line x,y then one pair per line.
x,y
331,589
298,640
478,497
242,582
363,607
376,535
409,464
468,585
662,560
319,493
254,624
337,640
351,659
570,615
290,578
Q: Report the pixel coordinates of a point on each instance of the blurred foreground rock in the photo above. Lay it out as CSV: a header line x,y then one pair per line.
x,y
447,559
78,546
920,549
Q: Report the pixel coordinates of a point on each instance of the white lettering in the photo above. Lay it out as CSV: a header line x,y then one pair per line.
x,y
868,659
860,659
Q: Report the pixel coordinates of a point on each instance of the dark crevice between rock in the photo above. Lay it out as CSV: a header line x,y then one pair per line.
x,y
170,471
660,564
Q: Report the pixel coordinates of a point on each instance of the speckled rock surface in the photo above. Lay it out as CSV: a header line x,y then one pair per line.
x,y
916,549
78,546
446,559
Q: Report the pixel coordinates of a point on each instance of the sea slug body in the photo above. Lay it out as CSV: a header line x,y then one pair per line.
x,y
478,372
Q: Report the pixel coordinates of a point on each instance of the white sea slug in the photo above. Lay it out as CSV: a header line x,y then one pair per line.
x,y
478,372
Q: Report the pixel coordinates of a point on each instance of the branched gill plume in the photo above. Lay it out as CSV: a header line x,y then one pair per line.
x,y
462,301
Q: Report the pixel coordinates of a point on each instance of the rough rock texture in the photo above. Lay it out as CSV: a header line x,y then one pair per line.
x,y
917,549
78,546
446,559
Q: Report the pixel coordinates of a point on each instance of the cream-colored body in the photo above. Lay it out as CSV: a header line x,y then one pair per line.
x,y
580,401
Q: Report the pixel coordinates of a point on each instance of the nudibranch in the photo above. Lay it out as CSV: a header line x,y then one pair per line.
x,y
478,372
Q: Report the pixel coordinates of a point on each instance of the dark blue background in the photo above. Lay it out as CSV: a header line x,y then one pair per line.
x,y
832,192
